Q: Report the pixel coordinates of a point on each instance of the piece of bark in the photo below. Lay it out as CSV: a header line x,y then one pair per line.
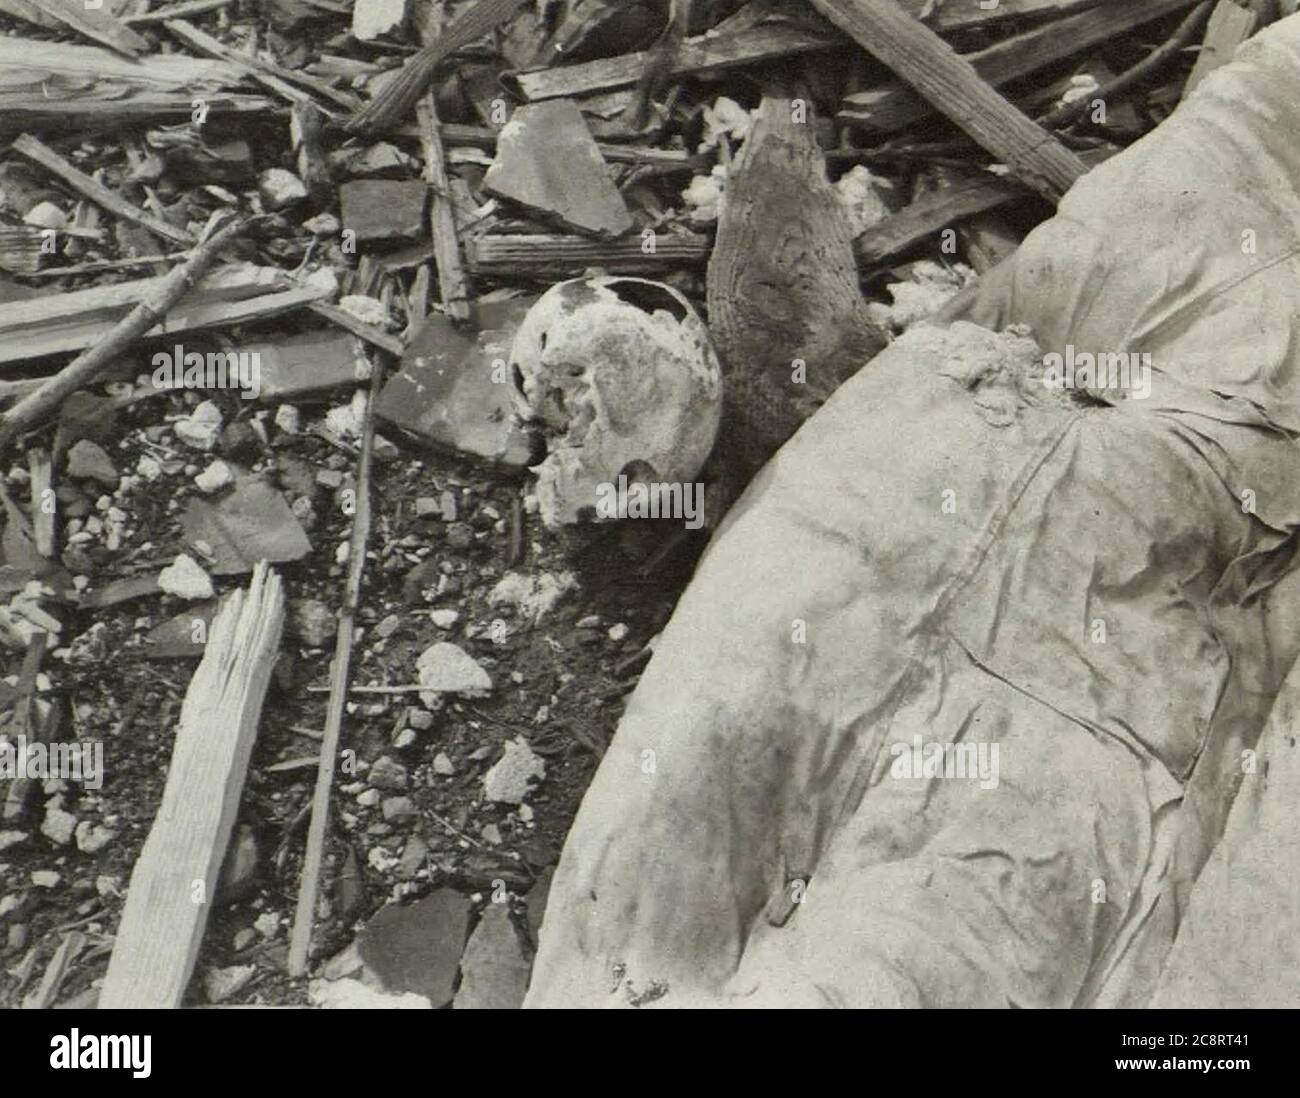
x,y
306,135
452,285
87,367
309,889
547,162
399,97
552,257
384,340
894,106
175,877
73,321
786,314
1230,25
924,60
706,54
90,188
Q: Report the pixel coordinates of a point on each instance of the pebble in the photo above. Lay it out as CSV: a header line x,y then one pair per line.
x,y
11,838
368,798
288,419
313,621
279,189
185,579
388,773
325,224
202,428
215,477
219,984
405,738
618,632
396,809
419,719
491,834
388,626
413,857
92,838
243,939
267,925
427,507
89,461
508,779
58,825
45,878
443,765
446,668
46,215
18,935
460,535
444,619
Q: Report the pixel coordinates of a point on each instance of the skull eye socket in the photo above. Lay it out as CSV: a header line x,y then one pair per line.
x,y
647,296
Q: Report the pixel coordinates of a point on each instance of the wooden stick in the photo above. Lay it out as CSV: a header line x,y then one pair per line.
x,y
452,285
485,138
550,256
190,7
88,366
304,916
398,98
175,878
706,53
115,204
894,106
928,63
344,319
42,480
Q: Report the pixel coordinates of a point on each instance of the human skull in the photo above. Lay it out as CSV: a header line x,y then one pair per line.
x,y
619,375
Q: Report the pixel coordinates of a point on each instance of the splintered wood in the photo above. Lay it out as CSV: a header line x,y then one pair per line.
x,y
175,877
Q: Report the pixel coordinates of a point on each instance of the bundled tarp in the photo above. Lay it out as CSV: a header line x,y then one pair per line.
x,y
960,699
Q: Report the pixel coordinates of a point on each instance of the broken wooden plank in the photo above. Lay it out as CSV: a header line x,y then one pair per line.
x,y
924,60
268,76
554,256
96,22
73,321
952,15
344,319
895,105
42,486
927,216
92,189
547,162
398,98
709,53
452,285
309,890
485,138
175,878
22,248
1230,25
21,113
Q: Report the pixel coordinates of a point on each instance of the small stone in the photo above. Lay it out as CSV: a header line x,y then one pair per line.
x,y
419,719
89,461
405,738
11,838
202,428
242,441
368,798
491,834
18,936
427,507
58,825
46,215
618,632
313,621
444,619
445,668
325,224
92,838
220,984
388,626
508,780
368,310
396,809
413,857
460,535
238,878
45,878
279,189
267,925
443,765
215,477
354,995
384,451
387,773
288,419
185,579
243,939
